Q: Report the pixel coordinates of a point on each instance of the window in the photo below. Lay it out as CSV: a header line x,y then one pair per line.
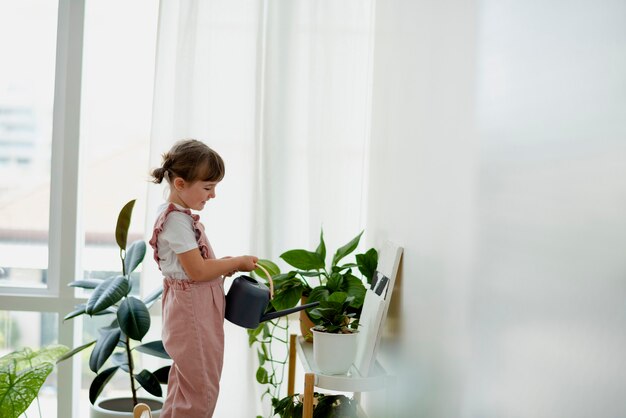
x,y
75,109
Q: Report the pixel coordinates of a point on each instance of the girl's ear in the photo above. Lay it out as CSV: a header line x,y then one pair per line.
x,y
179,183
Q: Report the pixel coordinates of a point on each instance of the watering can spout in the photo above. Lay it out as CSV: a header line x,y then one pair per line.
x,y
274,315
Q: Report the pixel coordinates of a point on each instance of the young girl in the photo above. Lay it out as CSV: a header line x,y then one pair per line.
x,y
193,291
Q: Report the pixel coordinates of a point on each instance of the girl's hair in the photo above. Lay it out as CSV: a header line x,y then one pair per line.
x,y
191,160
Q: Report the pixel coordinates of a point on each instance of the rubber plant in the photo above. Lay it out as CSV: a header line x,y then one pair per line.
x,y
119,340
22,374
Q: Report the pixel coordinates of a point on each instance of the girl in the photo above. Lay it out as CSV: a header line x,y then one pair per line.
x,y
193,291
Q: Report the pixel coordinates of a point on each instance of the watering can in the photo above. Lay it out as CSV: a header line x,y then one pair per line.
x,y
248,299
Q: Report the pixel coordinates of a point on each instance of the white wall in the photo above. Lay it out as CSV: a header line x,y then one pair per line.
x,y
498,160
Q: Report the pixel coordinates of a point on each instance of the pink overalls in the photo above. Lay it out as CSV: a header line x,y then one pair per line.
x,y
193,334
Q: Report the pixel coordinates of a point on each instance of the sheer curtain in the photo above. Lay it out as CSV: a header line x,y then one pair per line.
x,y
281,90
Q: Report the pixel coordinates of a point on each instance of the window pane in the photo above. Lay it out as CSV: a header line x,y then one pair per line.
x,y
33,330
118,68
26,100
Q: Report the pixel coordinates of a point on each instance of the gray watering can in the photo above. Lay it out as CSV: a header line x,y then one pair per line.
x,y
247,300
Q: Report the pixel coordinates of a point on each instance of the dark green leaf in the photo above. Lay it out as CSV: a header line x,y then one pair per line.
x,y
134,256
303,259
368,263
162,374
121,359
104,348
334,282
134,318
261,376
17,391
123,223
154,348
75,350
287,298
346,249
353,286
106,294
321,248
99,382
149,382
80,309
318,294
154,295
86,283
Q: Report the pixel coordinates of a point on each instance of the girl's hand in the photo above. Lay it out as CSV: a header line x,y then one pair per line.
x,y
247,262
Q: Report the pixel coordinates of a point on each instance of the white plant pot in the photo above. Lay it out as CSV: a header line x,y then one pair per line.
x,y
334,353
122,407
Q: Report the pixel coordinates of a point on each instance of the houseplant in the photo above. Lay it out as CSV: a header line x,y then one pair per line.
x,y
324,406
22,374
309,279
314,281
334,341
125,332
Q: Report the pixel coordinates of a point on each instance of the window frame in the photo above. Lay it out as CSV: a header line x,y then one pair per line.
x,y
64,234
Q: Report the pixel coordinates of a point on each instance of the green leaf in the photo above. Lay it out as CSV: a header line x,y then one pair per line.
x,y
134,256
162,374
321,248
121,359
261,356
86,283
17,391
106,294
154,348
334,282
149,382
368,263
287,298
353,286
318,294
154,295
261,376
303,259
104,348
80,309
254,333
75,350
346,249
99,382
268,265
123,223
134,318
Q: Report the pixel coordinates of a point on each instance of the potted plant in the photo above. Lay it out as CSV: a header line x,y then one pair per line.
x,y
119,340
310,280
22,374
324,406
334,341
313,281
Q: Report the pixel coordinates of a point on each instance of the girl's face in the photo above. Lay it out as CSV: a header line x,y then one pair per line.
x,y
194,195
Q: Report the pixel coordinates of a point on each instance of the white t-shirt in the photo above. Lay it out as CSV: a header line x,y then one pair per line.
x,y
177,237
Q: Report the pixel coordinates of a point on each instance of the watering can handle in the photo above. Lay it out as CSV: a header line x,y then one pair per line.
x,y
269,278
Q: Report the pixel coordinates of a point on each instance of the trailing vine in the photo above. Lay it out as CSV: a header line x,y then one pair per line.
x,y
267,338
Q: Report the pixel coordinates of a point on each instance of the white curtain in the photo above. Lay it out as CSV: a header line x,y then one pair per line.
x,y
281,90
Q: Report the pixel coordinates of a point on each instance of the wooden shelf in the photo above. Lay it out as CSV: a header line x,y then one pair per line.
x,y
351,382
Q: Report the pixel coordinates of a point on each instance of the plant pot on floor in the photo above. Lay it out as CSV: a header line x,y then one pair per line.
x,y
334,353
122,407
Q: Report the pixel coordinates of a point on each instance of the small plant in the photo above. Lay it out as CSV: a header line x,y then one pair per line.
x,y
22,374
325,406
333,316
111,296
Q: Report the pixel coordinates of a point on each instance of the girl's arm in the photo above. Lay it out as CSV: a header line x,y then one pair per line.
x,y
198,269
